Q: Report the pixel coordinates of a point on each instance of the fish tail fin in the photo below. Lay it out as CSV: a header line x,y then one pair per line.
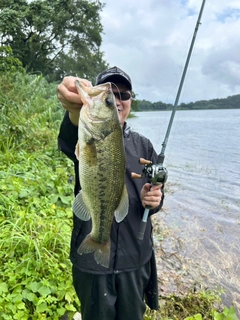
x,y
101,251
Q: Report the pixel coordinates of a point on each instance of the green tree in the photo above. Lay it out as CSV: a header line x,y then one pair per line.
x,y
134,105
54,37
144,105
7,61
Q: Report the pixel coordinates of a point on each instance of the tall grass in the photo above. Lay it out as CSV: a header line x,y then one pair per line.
x,y
30,112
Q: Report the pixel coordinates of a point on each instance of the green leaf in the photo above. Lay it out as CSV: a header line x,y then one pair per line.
x,y
61,311
68,297
34,286
232,311
42,307
66,200
23,194
20,305
44,291
3,287
32,297
217,316
70,307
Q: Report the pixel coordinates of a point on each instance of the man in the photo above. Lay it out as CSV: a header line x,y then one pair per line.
x,y
117,292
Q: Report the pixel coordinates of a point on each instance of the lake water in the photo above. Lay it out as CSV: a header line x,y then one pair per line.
x,y
202,203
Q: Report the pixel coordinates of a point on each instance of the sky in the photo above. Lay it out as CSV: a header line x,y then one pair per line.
x,y
150,40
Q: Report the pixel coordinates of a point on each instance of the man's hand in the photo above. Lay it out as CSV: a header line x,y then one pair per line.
x,y
69,97
151,196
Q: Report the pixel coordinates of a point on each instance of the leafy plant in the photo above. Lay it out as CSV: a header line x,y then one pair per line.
x,y
203,305
227,314
35,222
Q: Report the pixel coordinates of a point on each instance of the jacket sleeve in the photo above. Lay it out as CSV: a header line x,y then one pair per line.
x,y
67,138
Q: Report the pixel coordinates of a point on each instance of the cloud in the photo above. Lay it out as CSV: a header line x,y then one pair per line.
x,y
150,41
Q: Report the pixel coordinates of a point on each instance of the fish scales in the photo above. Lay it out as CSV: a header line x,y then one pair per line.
x,y
100,151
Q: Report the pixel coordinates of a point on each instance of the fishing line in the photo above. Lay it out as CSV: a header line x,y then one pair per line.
x,y
119,93
115,87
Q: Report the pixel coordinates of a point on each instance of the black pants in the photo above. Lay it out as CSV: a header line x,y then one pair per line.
x,y
114,296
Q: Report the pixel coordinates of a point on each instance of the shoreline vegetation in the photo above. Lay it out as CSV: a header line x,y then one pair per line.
x,y
36,193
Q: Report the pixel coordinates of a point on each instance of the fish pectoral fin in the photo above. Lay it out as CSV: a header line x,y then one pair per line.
x,y
122,209
77,151
80,209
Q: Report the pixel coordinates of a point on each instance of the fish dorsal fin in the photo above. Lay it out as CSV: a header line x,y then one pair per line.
x,y
83,92
122,209
79,208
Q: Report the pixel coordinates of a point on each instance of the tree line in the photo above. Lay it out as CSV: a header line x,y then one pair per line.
x,y
231,102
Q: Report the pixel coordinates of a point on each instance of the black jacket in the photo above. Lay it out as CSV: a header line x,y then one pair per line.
x,y
127,252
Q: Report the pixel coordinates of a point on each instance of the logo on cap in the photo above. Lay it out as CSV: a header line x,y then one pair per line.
x,y
114,71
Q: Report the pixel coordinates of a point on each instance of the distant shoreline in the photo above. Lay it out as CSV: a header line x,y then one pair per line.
x,y
232,102
183,109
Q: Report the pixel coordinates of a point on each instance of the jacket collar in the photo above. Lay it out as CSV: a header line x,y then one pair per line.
x,y
126,130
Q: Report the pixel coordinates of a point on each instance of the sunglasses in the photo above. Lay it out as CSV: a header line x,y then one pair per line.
x,y
123,96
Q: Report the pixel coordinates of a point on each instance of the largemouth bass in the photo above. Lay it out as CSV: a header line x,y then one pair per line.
x,y
100,151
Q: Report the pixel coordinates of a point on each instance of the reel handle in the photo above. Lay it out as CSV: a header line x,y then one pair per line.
x,y
144,161
136,175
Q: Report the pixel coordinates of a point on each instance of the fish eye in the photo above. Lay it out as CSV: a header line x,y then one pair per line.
x,y
109,102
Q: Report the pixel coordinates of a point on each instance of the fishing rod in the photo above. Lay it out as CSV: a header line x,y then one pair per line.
x,y
156,172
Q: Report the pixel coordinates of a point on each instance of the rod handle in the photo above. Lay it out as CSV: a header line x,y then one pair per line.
x,y
142,230
143,223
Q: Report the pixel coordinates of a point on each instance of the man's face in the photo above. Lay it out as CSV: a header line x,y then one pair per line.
x,y
123,106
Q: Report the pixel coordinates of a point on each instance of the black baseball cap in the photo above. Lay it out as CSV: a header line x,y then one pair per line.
x,y
114,75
